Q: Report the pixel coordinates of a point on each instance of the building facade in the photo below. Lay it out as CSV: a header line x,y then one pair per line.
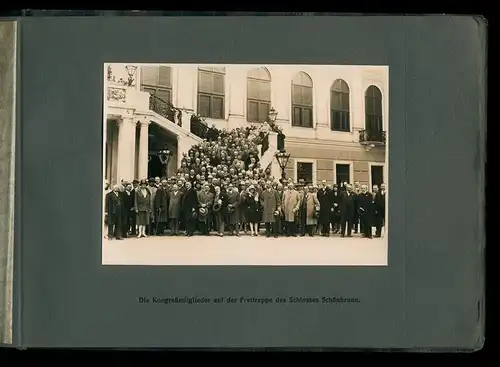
x,y
334,118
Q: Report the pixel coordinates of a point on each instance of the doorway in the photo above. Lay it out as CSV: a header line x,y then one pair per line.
x,y
161,139
377,175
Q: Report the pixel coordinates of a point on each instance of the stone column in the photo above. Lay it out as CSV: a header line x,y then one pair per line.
x,y
143,150
126,148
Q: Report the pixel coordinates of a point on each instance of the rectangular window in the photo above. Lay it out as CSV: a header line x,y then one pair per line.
x,y
343,173
305,171
211,94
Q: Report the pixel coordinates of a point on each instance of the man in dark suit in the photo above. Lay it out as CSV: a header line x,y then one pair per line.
x,y
365,210
325,205
114,210
335,211
379,203
189,206
346,211
128,210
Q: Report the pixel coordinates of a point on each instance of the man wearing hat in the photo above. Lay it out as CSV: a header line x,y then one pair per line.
x,y
205,202
271,204
219,208
311,208
190,208
233,203
114,211
290,206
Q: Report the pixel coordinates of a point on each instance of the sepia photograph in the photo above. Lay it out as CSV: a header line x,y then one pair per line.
x,y
256,165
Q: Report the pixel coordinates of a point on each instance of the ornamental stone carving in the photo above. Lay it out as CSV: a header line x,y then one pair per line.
x,y
116,94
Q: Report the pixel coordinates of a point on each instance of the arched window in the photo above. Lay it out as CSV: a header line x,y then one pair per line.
x,y
211,92
373,111
258,95
157,81
339,104
302,100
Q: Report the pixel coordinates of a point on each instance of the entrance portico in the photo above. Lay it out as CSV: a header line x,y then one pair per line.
x,y
132,145
126,153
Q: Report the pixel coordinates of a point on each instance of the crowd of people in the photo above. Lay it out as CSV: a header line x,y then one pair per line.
x,y
145,208
220,187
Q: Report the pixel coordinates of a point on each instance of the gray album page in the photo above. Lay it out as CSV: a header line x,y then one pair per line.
x,y
336,194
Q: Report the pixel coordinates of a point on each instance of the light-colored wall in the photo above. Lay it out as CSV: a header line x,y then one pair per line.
x,y
318,143
359,78
324,158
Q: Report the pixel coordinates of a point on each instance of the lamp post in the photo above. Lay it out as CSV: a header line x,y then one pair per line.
x,y
164,156
131,70
282,157
272,115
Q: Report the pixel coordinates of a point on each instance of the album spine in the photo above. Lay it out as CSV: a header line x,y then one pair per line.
x,y
8,72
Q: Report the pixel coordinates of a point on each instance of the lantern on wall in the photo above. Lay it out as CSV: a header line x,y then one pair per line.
x,y
282,157
131,70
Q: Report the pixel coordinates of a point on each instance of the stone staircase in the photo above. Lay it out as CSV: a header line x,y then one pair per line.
x,y
160,112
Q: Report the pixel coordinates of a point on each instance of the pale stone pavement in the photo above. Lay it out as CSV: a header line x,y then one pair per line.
x,y
246,250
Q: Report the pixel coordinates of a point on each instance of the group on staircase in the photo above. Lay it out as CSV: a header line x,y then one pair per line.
x,y
222,187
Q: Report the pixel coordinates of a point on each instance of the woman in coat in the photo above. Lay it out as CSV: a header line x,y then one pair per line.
x,y
142,207
311,206
253,209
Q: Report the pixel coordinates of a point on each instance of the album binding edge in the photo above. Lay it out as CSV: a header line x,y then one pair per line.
x,y
8,70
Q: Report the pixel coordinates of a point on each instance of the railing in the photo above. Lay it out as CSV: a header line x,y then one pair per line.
x,y
163,108
199,127
372,137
